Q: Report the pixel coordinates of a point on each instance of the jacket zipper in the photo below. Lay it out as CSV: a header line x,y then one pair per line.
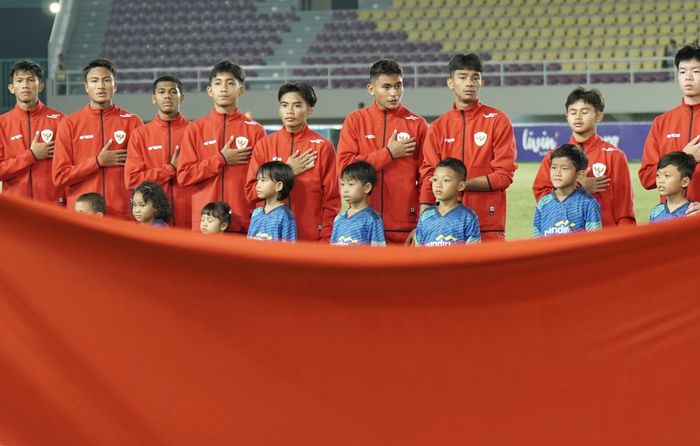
x,y
291,150
102,133
381,190
690,130
31,181
172,185
464,133
223,169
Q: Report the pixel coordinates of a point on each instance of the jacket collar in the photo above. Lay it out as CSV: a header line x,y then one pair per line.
x,y
592,140
471,111
179,121
376,111
39,109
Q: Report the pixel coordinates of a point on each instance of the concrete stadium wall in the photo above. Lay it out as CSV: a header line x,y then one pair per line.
x,y
523,104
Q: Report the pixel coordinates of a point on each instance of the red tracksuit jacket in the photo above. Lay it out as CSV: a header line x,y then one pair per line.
x,y
151,148
364,136
81,137
20,172
616,202
482,137
315,199
203,166
671,132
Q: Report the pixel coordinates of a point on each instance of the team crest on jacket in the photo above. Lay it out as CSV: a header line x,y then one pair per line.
x,y
242,142
598,169
46,135
403,136
480,138
119,136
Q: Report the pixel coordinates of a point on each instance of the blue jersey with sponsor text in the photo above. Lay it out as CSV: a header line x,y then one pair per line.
x,y
577,212
278,224
458,226
363,228
660,212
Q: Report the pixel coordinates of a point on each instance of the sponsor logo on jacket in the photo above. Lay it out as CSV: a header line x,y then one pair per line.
x,y
54,116
673,135
86,136
210,142
370,137
491,115
412,118
158,147
449,140
16,137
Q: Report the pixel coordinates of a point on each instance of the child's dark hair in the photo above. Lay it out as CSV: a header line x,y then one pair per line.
x,y
684,162
95,201
573,153
226,66
167,78
592,97
155,194
27,65
688,52
470,62
218,209
99,63
384,66
456,165
361,171
305,90
278,171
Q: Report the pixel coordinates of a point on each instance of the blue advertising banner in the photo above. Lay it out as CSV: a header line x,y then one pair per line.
x,y
535,140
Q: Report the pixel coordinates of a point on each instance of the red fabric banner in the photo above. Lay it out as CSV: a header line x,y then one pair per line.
x,y
114,334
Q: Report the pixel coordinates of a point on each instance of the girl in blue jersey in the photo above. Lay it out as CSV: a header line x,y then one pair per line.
x,y
274,220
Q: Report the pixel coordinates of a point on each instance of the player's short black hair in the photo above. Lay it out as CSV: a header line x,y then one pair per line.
x,y
226,66
278,171
155,194
592,97
27,65
471,62
384,66
305,90
95,201
456,165
218,209
167,78
573,153
684,162
361,171
99,63
688,52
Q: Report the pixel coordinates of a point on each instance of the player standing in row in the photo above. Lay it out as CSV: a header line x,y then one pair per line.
x,y
679,128
315,200
482,138
27,137
607,176
389,137
154,149
91,143
216,148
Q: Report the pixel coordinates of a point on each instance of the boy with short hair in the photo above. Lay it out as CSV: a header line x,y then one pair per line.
x,y
389,137
448,222
679,128
274,220
359,224
216,148
479,135
607,177
90,203
27,137
91,143
673,175
154,149
568,208
314,200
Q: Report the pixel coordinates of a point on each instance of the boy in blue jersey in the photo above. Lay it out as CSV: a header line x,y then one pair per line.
x,y
568,208
274,220
673,175
359,224
448,222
